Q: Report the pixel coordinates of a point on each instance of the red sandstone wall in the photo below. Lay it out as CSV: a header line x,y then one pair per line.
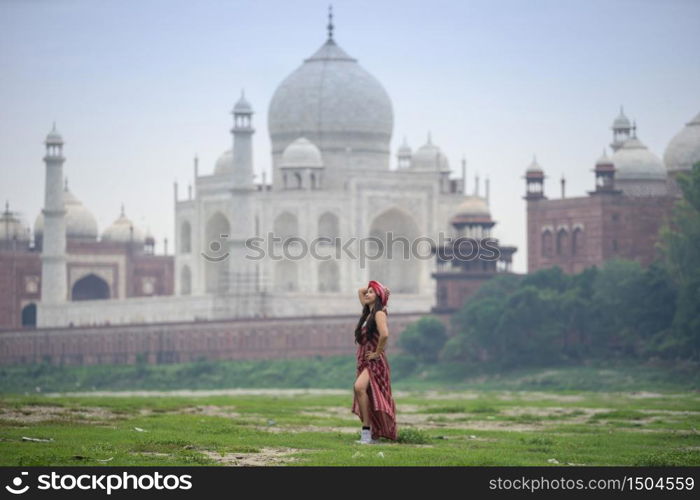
x,y
14,269
608,220
179,342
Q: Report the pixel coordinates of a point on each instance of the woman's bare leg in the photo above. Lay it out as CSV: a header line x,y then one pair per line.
x,y
361,385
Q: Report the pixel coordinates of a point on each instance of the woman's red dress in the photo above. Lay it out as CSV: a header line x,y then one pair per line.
x,y
381,403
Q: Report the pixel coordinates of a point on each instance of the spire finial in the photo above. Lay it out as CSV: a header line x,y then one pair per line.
x,y
330,22
54,127
242,93
634,128
122,214
430,138
7,206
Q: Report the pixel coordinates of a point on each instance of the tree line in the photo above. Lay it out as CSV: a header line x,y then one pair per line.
x,y
618,310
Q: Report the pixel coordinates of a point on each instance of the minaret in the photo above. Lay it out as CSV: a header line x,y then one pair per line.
x,y
53,256
243,144
563,186
464,175
404,155
534,181
621,130
242,276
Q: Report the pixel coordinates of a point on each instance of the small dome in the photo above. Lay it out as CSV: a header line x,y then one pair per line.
x,y
534,167
621,121
12,227
405,149
474,209
684,149
54,137
302,153
242,106
473,205
120,231
604,160
633,161
225,162
429,157
80,222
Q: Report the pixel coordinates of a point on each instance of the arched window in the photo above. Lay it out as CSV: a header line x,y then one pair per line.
x,y
91,287
577,241
185,238
562,241
547,243
29,315
328,226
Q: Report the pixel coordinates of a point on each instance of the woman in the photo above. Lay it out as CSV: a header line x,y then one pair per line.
x,y
373,401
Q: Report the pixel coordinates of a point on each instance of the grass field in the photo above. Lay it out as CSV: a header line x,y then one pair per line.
x,y
315,427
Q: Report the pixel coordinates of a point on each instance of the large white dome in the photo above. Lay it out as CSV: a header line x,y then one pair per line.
x,y
684,149
80,222
336,104
634,161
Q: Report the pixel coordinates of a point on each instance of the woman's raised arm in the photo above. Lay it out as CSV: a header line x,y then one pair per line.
x,y
361,293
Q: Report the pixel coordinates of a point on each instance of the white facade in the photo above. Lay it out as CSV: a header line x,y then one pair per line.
x,y
330,124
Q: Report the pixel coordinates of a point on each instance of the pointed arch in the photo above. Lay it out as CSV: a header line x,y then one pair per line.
x,y
29,315
562,241
217,233
286,226
185,237
328,226
395,267
90,287
547,243
577,241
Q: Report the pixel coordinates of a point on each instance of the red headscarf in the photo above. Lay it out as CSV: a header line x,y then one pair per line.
x,y
380,290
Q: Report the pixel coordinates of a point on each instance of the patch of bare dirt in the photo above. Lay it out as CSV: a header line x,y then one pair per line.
x,y
538,396
450,395
264,457
305,428
206,393
40,413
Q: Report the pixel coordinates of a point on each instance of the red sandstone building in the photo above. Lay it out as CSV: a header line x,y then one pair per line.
x,y
633,197
122,264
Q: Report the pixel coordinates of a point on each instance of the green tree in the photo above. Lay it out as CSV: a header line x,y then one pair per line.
x,y
424,339
680,245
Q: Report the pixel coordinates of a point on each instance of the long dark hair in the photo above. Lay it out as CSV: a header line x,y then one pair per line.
x,y
371,323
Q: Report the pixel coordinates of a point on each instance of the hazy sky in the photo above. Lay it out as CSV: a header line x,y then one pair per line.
x,y
137,88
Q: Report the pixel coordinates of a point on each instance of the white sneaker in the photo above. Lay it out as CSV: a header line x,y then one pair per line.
x,y
365,437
